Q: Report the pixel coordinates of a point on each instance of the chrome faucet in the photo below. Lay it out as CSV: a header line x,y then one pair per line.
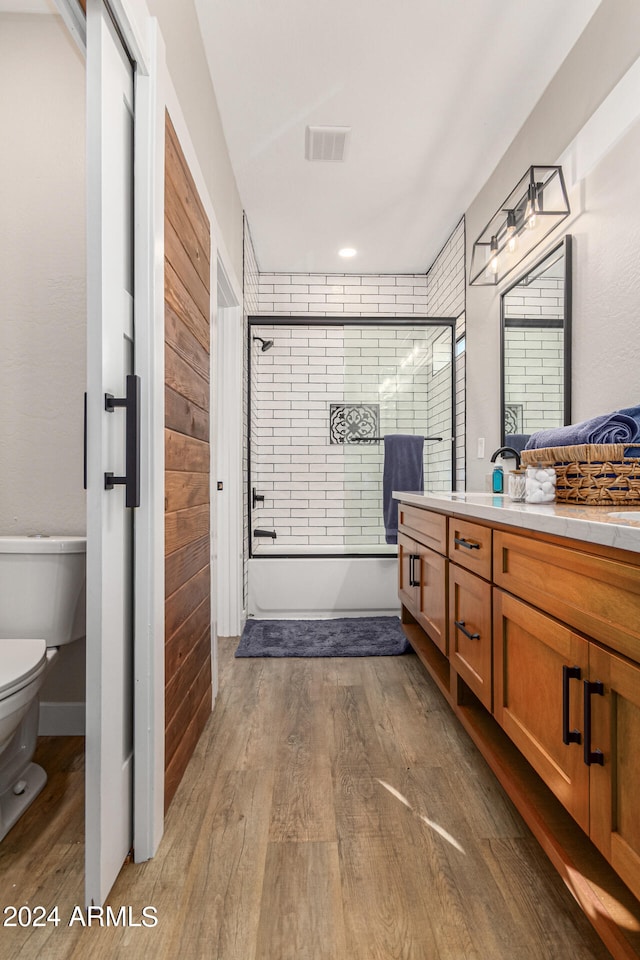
x,y
507,452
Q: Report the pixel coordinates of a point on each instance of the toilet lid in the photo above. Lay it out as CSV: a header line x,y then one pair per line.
x,y
21,661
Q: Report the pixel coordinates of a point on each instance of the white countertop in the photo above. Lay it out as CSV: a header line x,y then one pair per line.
x,y
589,524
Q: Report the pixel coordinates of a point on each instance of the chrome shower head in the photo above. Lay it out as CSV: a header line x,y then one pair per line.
x,y
266,344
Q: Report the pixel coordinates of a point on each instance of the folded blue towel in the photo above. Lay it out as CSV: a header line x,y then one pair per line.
x,y
403,470
517,441
622,426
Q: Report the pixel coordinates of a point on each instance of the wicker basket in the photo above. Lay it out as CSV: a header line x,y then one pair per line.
x,y
591,473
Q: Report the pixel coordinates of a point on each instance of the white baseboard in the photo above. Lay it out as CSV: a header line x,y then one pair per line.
x,y
61,719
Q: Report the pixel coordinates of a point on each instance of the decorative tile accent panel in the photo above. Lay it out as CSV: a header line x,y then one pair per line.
x,y
354,423
512,418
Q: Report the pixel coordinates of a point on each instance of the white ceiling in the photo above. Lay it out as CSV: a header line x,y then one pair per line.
x,y
28,6
434,93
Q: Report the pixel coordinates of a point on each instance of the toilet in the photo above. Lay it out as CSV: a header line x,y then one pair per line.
x,y
42,581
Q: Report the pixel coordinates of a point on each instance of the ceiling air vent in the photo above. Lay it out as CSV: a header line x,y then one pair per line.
x,y
326,143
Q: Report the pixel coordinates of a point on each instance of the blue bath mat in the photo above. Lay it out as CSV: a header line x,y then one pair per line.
x,y
343,637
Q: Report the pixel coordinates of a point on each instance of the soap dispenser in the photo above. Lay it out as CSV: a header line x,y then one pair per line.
x,y
497,480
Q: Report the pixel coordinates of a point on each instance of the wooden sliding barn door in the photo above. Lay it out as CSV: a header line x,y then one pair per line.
x,y
187,507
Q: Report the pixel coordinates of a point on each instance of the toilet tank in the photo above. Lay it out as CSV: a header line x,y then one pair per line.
x,y
42,588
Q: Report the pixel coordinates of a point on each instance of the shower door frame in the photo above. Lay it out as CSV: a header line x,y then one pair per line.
x,y
356,321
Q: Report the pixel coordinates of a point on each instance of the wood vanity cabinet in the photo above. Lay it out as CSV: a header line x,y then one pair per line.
x,y
543,647
422,572
573,710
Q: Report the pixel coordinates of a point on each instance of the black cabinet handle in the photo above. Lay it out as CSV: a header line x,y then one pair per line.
x,y
568,674
131,403
84,447
591,756
460,625
412,571
466,543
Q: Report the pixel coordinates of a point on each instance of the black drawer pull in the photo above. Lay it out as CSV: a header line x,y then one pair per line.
x,y
568,674
460,625
412,571
466,543
591,756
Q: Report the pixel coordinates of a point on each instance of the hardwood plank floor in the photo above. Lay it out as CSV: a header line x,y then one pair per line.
x,y
333,810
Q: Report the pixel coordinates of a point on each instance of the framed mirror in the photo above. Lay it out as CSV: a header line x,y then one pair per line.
x,y
536,348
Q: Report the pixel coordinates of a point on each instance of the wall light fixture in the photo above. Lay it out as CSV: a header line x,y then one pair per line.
x,y
535,207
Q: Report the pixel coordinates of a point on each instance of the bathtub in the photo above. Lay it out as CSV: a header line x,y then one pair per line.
x,y
305,587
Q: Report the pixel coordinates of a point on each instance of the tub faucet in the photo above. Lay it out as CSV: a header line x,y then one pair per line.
x,y
265,533
506,452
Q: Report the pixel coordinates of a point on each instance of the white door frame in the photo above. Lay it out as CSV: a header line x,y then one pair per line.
x,y
149,681
230,431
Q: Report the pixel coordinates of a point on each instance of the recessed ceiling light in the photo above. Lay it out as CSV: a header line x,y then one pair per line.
x,y
347,252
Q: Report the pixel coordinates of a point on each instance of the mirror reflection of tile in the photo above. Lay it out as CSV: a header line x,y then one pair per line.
x,y
354,422
512,418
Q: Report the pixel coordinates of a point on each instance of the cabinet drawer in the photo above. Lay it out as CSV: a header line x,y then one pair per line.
x,y
470,546
596,595
428,527
470,631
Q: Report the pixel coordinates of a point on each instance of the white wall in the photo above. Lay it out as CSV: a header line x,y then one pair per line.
x,y
606,272
43,300
42,293
606,328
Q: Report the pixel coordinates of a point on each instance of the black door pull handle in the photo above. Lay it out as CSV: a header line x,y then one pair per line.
x,y
568,674
84,445
131,403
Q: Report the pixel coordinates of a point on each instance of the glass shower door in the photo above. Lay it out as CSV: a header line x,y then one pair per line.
x,y
323,396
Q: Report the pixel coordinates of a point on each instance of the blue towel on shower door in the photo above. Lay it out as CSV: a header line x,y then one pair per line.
x,y
403,470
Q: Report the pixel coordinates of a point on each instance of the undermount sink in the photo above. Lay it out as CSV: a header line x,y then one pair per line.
x,y
626,515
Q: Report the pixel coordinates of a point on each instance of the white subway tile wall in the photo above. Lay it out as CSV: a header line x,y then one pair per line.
x,y
320,295
446,298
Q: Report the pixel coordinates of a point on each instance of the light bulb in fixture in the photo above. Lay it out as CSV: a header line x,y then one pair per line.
x,y
532,206
493,262
512,233
347,252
